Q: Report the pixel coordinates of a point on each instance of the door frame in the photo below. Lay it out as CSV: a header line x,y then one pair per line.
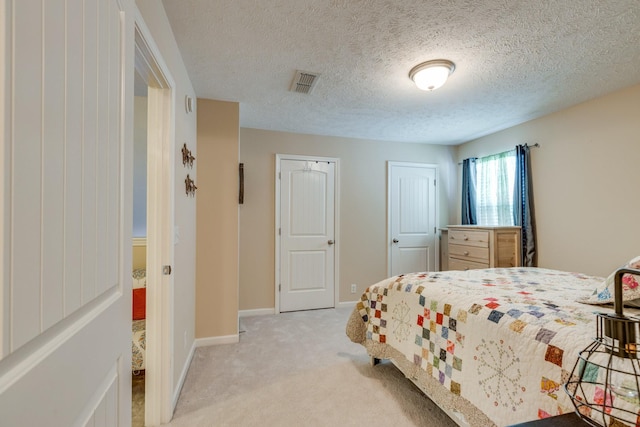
x,y
160,218
436,248
336,219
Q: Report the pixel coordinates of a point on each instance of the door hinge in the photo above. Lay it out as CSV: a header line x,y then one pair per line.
x,y
279,287
279,175
434,230
279,231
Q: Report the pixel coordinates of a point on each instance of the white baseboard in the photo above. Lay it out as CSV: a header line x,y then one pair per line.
x,y
183,376
227,339
256,312
349,304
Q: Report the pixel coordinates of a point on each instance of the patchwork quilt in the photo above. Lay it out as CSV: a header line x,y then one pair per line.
x,y
138,344
504,340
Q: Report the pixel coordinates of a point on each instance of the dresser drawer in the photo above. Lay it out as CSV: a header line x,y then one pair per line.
x,y
478,238
473,253
458,264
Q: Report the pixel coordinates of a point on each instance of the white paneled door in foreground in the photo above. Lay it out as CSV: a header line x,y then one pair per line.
x,y
307,193
412,201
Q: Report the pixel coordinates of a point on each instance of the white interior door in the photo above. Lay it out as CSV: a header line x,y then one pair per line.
x,y
307,234
65,221
412,199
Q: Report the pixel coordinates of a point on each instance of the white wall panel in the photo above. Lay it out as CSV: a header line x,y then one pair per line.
x,y
89,180
101,144
65,160
74,102
105,404
53,100
26,168
113,146
5,167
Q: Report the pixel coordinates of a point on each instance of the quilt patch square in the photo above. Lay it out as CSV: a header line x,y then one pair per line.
x,y
447,310
517,326
457,363
452,324
515,313
495,316
455,388
492,305
475,309
433,326
451,347
445,332
536,313
417,360
545,335
422,300
554,355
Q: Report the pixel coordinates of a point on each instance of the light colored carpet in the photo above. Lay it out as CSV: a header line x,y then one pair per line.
x,y
299,369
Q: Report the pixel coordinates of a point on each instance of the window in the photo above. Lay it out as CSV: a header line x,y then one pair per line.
x,y
495,178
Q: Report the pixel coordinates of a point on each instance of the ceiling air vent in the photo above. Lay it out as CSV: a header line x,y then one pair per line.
x,y
304,82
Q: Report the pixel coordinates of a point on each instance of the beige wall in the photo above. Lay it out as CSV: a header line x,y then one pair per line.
x,y
139,255
217,219
585,181
185,207
363,208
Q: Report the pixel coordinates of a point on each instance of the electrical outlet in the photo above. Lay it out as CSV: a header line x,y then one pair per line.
x,y
353,288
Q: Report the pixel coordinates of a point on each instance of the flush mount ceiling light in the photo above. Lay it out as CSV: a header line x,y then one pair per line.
x,y
431,75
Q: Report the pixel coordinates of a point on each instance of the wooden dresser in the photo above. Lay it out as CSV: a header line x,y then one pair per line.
x,y
474,246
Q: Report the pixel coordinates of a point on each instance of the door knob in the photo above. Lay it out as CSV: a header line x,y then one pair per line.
x,y
396,241
331,242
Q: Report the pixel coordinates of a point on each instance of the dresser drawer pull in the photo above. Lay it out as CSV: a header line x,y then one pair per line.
x,y
465,238
466,253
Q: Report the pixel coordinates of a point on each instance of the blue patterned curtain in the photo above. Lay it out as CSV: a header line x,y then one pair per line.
x,y
523,206
469,215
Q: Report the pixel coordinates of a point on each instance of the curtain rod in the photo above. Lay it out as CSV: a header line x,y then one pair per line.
x,y
536,145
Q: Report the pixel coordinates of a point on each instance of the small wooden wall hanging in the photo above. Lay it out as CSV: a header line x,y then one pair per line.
x,y
241,178
187,156
190,186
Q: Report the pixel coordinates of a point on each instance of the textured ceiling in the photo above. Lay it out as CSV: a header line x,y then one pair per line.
x,y
515,61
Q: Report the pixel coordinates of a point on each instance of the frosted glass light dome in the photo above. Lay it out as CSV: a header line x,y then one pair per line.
x,y
431,75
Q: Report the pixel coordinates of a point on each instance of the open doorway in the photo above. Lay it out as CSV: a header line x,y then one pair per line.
x,y
154,217
139,252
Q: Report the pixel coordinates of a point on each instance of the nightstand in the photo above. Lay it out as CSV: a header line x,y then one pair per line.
x,y
565,420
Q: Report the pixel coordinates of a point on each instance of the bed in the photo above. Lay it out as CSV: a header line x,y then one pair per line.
x,y
490,347
138,326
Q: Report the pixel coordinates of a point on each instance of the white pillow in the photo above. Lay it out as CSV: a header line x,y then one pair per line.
x,y
605,293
